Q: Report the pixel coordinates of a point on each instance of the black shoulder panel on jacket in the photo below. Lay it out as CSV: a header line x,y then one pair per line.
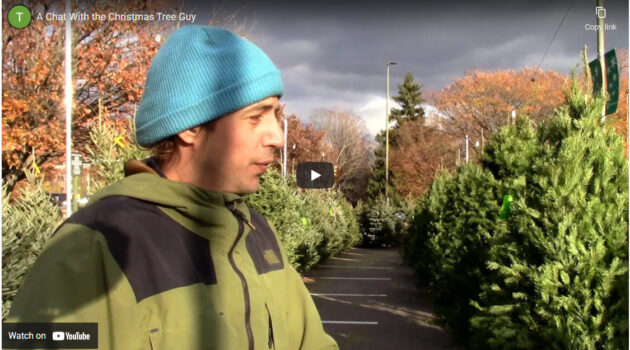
x,y
154,251
262,245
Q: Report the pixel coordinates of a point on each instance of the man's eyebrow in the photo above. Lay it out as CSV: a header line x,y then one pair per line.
x,y
260,106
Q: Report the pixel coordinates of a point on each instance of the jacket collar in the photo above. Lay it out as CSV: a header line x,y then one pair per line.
x,y
145,183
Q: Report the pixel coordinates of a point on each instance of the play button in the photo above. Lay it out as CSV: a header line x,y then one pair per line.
x,y
315,175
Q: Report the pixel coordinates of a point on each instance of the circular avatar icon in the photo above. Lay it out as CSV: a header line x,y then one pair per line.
x,y
19,16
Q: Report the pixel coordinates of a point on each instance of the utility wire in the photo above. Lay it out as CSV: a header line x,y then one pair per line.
x,y
555,34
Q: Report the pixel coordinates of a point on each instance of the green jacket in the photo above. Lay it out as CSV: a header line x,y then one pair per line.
x,y
165,265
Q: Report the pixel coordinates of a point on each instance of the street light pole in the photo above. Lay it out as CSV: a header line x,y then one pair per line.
x,y
600,53
284,160
68,102
387,135
466,148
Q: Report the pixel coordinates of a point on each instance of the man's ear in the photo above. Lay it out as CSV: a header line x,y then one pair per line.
x,y
188,136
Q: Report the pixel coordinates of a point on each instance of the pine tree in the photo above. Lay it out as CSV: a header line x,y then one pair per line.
x,y
450,240
381,223
28,221
409,98
308,231
562,269
376,183
554,273
109,156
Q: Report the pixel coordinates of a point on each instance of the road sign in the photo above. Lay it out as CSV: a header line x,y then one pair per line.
x,y
612,77
77,164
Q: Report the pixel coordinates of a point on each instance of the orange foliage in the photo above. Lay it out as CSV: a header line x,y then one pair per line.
x,y
422,151
484,100
110,60
309,143
478,101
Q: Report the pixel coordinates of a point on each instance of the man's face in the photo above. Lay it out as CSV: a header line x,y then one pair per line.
x,y
237,150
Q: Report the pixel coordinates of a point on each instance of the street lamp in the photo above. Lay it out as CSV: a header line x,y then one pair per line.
x,y
387,135
284,160
68,102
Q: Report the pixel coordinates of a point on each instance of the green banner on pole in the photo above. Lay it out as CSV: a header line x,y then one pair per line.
x,y
612,78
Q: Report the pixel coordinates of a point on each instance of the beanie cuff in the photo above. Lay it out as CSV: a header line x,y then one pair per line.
x,y
216,105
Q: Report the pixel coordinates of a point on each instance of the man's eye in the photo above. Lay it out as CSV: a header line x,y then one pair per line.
x,y
256,117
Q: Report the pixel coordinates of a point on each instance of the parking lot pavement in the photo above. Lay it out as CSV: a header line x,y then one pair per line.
x,y
369,299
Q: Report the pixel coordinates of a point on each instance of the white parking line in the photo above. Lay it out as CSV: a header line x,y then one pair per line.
x,y
347,295
351,322
353,278
357,267
344,259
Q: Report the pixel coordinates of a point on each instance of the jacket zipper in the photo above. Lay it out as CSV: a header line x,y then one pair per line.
x,y
271,342
241,228
239,214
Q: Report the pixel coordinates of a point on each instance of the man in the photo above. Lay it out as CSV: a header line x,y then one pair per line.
x,y
171,257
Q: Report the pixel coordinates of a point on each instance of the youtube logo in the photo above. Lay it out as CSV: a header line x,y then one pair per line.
x,y
315,175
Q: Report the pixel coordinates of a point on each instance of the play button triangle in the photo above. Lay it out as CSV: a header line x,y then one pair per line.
x,y
314,175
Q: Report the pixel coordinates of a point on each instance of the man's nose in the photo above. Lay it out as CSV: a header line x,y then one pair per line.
x,y
275,135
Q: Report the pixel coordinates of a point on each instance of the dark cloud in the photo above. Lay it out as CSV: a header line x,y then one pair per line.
x,y
331,50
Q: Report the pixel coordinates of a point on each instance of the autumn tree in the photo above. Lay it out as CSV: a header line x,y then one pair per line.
x,y
304,142
348,137
409,98
422,151
110,60
485,100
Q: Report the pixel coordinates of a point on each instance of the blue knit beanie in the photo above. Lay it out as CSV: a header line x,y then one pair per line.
x,y
202,73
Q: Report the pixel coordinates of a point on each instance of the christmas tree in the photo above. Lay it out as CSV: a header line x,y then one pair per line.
x,y
531,251
563,265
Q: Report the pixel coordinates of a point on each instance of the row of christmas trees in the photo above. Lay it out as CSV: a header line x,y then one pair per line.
x,y
529,249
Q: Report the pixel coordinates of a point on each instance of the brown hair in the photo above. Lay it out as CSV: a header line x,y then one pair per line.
x,y
163,150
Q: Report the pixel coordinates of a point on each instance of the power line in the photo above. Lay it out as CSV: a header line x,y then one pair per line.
x,y
555,34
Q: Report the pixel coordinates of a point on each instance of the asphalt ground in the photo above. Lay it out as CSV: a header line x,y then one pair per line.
x,y
369,299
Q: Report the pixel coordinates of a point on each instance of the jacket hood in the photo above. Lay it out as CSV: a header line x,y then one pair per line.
x,y
144,183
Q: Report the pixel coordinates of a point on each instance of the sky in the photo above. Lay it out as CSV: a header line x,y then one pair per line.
x,y
334,55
